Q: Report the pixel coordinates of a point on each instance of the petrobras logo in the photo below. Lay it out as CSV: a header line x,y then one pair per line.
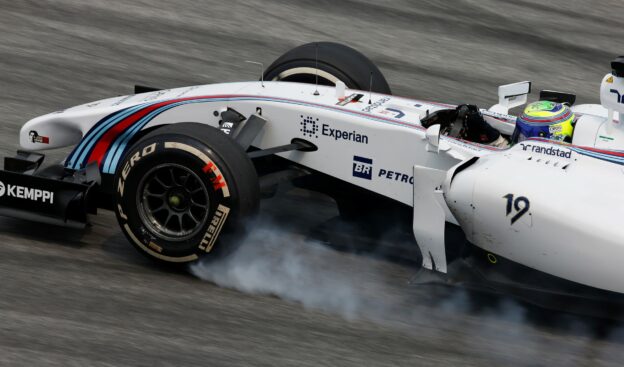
x,y
362,167
27,193
396,176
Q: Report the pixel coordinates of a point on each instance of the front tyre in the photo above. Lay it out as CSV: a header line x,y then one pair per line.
x,y
185,191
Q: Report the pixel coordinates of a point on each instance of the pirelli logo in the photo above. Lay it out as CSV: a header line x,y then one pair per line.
x,y
214,228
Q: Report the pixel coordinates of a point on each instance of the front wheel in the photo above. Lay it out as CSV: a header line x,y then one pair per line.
x,y
185,191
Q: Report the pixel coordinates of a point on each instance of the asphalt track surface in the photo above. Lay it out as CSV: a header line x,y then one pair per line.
x,y
87,298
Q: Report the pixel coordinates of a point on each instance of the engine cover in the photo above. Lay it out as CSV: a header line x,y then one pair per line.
x,y
529,205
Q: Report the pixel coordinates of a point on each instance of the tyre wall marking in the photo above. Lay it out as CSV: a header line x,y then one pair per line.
x,y
156,254
218,182
155,246
129,164
121,213
216,224
307,71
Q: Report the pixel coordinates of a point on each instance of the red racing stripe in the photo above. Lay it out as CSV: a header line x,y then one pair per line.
x,y
602,151
99,151
107,139
615,153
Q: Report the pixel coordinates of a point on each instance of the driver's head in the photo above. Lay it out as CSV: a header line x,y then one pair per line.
x,y
547,120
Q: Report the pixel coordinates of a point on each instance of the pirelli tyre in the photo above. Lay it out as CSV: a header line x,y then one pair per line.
x,y
185,191
329,62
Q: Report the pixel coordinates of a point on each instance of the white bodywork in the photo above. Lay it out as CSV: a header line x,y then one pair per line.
x,y
394,144
570,230
550,206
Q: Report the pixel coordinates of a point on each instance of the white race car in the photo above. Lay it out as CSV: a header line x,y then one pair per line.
x,y
184,168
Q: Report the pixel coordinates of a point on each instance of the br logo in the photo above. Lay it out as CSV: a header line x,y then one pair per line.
x,y
620,97
362,167
2,189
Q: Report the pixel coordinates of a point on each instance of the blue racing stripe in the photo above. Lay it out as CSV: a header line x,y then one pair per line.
x,y
78,148
113,155
118,147
96,133
601,156
89,135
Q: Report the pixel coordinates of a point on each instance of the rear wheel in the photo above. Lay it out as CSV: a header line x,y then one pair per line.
x,y
330,62
185,191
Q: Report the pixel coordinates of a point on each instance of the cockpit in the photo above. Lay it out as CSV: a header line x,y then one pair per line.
x,y
553,117
466,122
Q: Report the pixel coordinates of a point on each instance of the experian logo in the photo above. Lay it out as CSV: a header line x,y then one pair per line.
x,y
27,193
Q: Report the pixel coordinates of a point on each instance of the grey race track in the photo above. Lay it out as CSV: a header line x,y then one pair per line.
x,y
73,298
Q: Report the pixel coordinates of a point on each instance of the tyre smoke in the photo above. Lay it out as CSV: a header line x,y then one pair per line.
x,y
271,261
280,261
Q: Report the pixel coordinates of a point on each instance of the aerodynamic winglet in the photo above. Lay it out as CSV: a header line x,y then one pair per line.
x,y
429,217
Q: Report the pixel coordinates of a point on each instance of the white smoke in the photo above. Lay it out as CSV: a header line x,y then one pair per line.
x,y
272,261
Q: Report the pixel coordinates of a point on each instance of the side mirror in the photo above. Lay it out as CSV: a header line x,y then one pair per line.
x,y
433,138
511,95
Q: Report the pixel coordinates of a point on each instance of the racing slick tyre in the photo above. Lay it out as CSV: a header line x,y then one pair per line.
x,y
185,191
330,62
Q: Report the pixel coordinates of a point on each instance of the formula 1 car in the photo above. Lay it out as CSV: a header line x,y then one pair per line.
x,y
183,169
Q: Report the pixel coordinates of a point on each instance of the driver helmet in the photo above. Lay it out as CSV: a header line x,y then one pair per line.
x,y
545,119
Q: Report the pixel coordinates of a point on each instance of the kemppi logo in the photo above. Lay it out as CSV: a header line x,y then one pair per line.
x,y
28,193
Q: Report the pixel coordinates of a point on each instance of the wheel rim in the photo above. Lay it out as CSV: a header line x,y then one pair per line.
x,y
307,75
173,202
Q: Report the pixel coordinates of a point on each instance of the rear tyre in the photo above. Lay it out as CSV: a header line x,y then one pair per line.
x,y
185,191
334,62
